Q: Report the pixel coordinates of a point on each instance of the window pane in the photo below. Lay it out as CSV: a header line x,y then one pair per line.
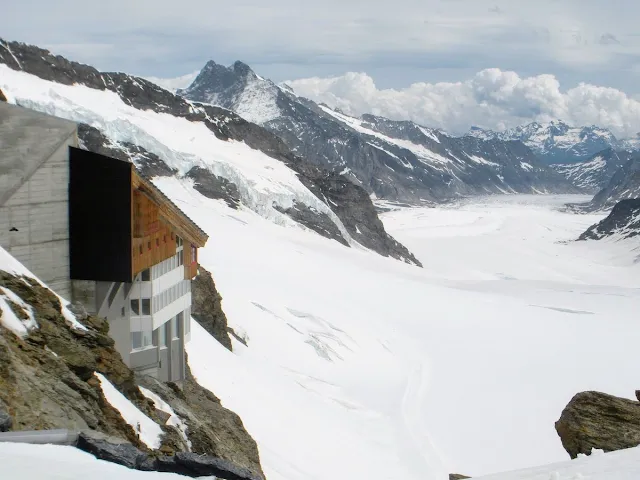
x,y
135,306
146,275
136,340
146,306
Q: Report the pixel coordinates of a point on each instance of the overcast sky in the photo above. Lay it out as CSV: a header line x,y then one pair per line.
x,y
396,43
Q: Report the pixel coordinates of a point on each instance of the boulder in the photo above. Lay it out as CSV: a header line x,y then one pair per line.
x,y
6,422
111,449
601,421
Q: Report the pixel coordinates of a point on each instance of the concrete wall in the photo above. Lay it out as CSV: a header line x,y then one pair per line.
x,y
39,210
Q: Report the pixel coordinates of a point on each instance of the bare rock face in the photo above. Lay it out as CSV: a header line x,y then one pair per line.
x,y
206,307
2,97
457,476
601,421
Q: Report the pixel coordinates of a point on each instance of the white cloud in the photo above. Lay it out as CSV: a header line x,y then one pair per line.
x,y
492,98
172,84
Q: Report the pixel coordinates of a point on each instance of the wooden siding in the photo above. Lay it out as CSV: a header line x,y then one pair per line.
x,y
153,239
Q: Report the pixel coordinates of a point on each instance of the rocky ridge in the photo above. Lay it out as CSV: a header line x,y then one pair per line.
x,y
144,95
622,222
594,173
558,142
399,161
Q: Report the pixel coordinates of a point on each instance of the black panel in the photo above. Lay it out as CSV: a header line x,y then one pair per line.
x,y
99,217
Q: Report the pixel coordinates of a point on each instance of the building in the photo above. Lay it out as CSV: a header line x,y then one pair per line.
x,y
99,233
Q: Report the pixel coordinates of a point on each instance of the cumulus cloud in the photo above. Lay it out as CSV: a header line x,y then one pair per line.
x,y
492,99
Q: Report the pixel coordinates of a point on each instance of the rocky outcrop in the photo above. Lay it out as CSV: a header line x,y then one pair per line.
x,y
601,421
457,476
211,428
206,307
47,382
225,125
623,222
624,184
115,450
314,220
212,186
47,378
594,173
2,97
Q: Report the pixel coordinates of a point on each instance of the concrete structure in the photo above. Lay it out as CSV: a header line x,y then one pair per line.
x,y
34,178
98,233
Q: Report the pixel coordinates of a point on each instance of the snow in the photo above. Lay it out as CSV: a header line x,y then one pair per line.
x,y
365,367
12,266
620,465
526,166
261,180
149,431
53,462
174,420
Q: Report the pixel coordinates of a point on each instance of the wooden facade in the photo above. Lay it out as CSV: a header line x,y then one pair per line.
x,y
156,225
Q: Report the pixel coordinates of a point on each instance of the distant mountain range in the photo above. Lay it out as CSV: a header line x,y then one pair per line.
x,y
395,160
557,142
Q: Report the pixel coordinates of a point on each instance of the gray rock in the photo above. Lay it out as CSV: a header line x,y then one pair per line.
x,y
625,184
601,421
594,173
457,476
6,422
205,465
212,186
314,220
78,310
111,449
624,221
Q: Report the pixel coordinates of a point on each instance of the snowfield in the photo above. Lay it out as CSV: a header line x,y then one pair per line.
x,y
359,366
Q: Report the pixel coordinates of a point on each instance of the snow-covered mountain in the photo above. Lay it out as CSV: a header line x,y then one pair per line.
x,y
557,142
225,156
622,222
394,160
594,173
624,184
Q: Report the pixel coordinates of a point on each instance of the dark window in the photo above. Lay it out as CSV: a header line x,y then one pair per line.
x,y
180,257
135,306
149,245
157,242
146,306
164,238
122,312
140,249
146,275
136,340
171,235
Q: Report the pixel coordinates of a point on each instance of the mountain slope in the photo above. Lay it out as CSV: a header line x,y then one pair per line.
x,y
593,174
557,142
393,160
622,222
226,156
625,184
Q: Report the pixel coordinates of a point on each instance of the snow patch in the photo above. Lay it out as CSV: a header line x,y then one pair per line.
x,y
174,420
149,431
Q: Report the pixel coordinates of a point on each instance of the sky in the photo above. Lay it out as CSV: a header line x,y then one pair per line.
x,y
396,44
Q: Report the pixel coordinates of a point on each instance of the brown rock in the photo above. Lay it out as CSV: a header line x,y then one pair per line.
x,y
601,421
206,307
2,97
